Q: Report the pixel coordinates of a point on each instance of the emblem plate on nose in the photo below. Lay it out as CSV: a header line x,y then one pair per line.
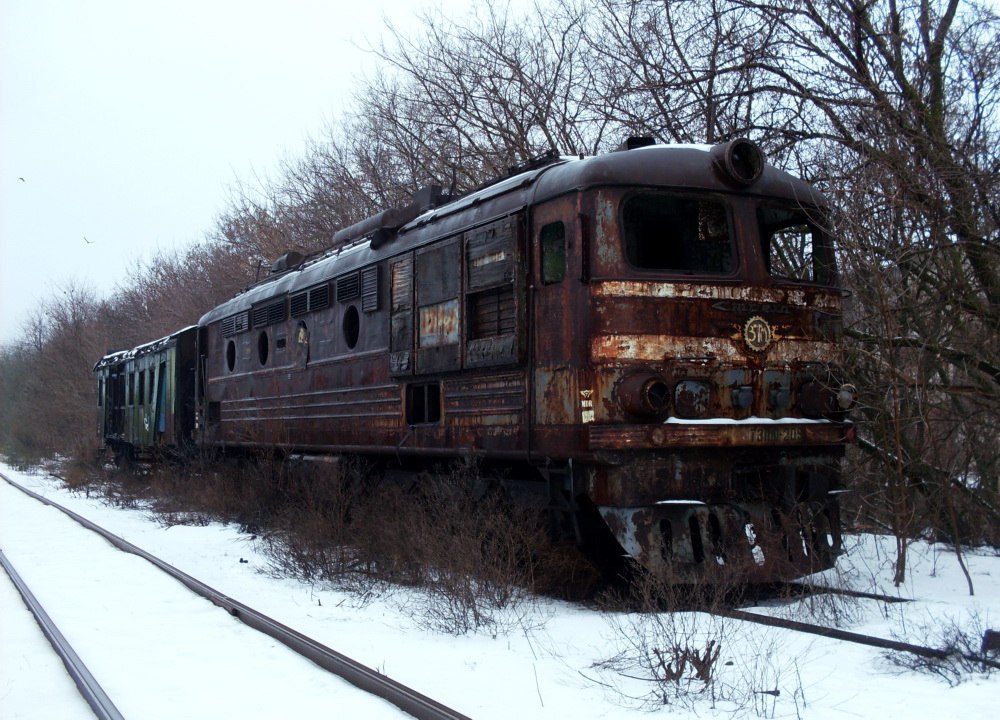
x,y
757,334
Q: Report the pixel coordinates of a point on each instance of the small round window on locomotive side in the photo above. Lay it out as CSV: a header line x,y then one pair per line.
x,y
352,326
231,355
263,347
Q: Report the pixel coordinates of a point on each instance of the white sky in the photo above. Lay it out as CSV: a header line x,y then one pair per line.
x,y
130,120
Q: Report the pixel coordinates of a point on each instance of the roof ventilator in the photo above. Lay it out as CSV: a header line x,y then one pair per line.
x,y
381,227
289,261
634,142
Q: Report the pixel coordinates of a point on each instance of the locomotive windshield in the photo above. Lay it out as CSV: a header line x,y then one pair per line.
x,y
795,245
678,234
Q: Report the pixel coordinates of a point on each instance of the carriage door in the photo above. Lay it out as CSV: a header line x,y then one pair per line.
x,y
556,325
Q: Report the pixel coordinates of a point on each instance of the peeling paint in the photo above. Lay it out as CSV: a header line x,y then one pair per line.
x,y
826,300
661,348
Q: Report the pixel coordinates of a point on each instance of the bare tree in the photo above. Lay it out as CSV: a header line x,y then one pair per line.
x,y
47,401
892,107
905,99
462,100
688,71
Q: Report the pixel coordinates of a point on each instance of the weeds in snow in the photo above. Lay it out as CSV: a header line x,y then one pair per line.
x,y
669,654
963,655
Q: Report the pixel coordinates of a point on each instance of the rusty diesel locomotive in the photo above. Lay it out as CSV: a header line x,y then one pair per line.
x,y
646,340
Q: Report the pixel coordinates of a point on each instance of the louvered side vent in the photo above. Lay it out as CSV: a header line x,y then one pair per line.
x,y
402,284
492,313
299,303
311,300
276,312
269,314
348,287
369,289
235,324
319,297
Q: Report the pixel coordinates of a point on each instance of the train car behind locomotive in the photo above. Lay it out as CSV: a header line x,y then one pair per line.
x,y
648,339
146,396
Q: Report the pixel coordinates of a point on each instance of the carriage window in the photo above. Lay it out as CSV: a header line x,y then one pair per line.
x,y
795,246
231,355
678,234
423,403
553,240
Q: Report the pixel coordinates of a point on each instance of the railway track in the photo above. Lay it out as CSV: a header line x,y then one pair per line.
x,y
91,690
371,681
846,635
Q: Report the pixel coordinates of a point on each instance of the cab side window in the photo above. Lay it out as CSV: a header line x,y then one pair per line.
x,y
553,244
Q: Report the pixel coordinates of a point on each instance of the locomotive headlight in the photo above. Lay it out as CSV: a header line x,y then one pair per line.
x,y
847,397
739,161
819,399
644,395
691,399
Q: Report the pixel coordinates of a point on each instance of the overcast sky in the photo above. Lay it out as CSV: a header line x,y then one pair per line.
x,y
124,123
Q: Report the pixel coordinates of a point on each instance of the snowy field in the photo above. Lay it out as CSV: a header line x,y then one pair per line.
x,y
553,660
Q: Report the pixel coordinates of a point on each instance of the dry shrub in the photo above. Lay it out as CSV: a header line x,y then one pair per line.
x,y
195,492
318,534
473,555
478,553
961,642
673,650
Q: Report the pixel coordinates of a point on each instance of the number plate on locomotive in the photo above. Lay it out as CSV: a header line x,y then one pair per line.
x,y
772,434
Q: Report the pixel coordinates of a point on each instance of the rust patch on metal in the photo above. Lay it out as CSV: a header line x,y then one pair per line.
x,y
439,324
662,347
777,297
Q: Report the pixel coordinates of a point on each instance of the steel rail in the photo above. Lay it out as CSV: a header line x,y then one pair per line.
x,y
88,686
802,588
848,636
361,676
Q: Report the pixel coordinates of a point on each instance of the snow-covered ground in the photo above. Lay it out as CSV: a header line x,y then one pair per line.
x,y
558,659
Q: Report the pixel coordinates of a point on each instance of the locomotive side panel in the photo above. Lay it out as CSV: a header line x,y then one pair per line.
x,y
562,405
423,351
306,370
460,313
